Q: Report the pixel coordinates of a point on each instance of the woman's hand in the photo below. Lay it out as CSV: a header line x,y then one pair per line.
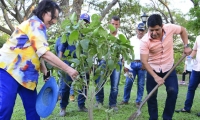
x,y
72,73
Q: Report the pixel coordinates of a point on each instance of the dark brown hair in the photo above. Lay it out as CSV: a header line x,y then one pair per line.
x,y
46,6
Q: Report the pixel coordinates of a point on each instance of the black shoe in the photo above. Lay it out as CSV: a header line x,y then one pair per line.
x,y
137,104
83,109
198,114
115,108
182,110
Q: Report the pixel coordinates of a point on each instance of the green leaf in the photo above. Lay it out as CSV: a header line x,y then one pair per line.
x,y
73,17
85,44
63,38
78,51
76,27
83,56
118,67
68,29
110,64
95,21
97,73
65,23
111,27
66,53
90,61
102,32
122,38
73,37
92,51
112,38
85,30
95,32
95,18
74,60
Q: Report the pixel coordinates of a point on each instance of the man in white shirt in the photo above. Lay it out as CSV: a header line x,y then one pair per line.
x,y
114,77
135,68
194,78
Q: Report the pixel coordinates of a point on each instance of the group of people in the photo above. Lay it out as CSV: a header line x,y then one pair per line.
x,y
22,58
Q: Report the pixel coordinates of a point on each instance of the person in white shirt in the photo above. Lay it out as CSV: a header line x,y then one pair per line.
x,y
187,69
135,68
194,78
114,77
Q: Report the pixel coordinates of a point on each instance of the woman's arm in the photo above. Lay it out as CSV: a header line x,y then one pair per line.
x,y
56,62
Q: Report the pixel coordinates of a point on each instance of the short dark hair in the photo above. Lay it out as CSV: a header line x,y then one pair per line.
x,y
46,6
153,20
116,18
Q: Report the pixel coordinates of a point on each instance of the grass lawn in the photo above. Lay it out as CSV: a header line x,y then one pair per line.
x,y
124,110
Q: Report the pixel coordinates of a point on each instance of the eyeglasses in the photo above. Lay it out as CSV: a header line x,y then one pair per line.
x,y
54,17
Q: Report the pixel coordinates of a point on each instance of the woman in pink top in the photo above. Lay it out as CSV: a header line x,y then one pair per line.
x,y
156,50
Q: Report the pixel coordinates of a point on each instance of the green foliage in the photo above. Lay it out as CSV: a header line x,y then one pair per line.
x,y
194,22
94,41
3,39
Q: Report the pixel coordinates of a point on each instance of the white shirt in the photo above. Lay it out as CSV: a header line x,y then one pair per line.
x,y
196,61
135,42
189,64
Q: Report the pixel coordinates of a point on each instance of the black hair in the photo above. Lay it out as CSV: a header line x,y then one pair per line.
x,y
46,6
86,21
153,20
116,18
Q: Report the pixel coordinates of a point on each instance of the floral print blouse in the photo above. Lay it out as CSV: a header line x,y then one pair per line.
x,y
20,55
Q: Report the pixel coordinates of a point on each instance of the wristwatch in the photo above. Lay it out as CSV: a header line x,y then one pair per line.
x,y
186,45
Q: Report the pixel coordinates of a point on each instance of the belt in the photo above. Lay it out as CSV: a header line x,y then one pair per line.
x,y
137,61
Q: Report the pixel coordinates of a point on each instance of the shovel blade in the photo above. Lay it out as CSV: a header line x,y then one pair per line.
x,y
135,115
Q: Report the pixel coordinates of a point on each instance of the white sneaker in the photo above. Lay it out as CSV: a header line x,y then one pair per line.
x,y
182,83
62,112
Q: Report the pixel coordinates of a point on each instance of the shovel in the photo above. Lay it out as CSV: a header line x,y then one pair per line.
x,y
138,112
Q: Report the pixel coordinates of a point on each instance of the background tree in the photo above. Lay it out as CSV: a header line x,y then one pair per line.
x,y
194,21
14,12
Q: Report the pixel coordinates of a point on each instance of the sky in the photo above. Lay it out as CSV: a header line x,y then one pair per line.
x,y
183,5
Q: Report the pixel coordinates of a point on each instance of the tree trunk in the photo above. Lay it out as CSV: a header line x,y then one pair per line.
x,y
77,4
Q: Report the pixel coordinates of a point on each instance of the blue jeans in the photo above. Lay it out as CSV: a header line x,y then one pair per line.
x,y
171,84
65,91
136,70
114,81
193,84
9,88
